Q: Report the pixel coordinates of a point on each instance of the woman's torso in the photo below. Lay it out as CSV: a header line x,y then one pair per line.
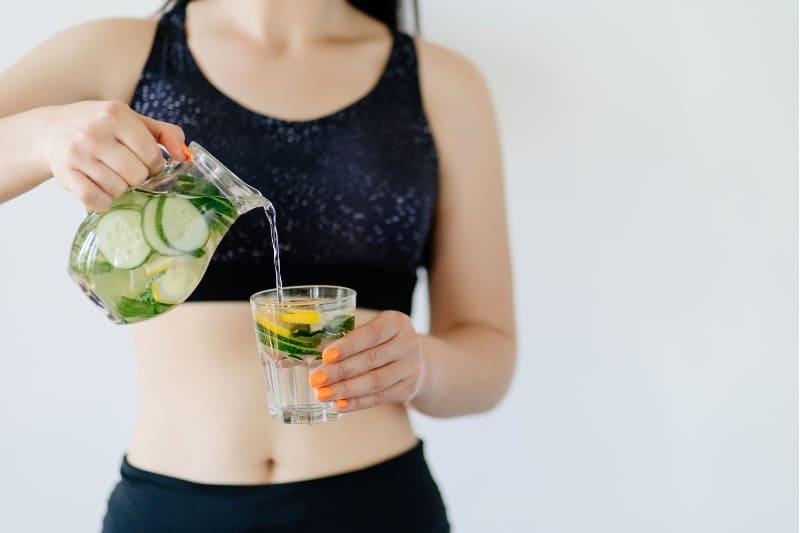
x,y
202,412
202,401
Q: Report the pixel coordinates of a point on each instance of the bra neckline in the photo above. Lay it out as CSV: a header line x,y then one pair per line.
x,y
347,108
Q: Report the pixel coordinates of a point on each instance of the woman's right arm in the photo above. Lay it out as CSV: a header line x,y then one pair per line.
x,y
61,114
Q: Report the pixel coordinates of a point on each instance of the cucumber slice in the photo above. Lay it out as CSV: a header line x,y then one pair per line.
x,y
120,239
150,229
180,224
288,346
133,199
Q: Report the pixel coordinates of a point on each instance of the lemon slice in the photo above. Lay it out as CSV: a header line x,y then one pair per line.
x,y
273,327
159,264
178,280
300,316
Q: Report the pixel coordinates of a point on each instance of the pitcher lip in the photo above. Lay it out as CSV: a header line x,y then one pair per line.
x,y
245,197
348,293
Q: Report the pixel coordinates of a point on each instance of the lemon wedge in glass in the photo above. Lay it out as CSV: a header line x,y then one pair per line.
x,y
300,316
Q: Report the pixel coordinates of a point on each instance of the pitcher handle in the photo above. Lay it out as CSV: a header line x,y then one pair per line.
x,y
164,181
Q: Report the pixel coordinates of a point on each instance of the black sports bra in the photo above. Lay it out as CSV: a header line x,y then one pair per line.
x,y
355,190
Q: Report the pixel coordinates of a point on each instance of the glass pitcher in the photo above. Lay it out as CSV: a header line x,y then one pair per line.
x,y
148,252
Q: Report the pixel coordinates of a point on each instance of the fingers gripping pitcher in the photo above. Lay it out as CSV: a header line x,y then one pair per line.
x,y
149,251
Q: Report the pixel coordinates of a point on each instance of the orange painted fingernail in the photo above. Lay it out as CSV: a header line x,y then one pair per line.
x,y
317,378
330,355
341,403
186,152
323,393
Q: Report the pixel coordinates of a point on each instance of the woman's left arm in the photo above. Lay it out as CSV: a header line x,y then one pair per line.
x,y
465,364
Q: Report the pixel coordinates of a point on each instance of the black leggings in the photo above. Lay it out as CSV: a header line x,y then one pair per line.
x,y
396,495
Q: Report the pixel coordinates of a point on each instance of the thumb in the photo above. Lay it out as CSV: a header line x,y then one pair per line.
x,y
168,135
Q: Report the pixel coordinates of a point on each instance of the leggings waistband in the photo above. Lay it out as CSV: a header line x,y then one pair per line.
x,y
397,495
408,461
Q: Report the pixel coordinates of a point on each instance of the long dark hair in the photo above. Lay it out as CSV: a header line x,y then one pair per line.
x,y
390,12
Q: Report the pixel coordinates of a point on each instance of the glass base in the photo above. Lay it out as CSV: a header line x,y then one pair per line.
x,y
305,414
290,397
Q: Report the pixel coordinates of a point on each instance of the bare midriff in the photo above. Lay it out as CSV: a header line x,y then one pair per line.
x,y
202,412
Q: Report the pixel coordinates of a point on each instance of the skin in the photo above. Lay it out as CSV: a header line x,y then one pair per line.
x,y
201,412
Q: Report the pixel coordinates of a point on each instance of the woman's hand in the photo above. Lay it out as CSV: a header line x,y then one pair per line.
x,y
98,150
377,363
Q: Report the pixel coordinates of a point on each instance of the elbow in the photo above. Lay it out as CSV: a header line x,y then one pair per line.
x,y
484,393
502,375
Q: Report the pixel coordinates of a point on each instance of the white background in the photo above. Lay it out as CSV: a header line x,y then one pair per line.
x,y
650,151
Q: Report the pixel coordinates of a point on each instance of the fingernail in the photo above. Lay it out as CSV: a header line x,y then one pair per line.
x,y
317,378
330,355
186,152
323,393
341,403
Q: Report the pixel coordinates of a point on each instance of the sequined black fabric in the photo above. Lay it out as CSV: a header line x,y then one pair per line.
x,y
354,190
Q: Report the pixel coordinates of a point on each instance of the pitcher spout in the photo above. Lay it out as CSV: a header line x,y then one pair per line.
x,y
243,196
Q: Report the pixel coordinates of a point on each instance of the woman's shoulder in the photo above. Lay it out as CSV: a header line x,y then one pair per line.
x,y
100,34
450,82
97,59
440,62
